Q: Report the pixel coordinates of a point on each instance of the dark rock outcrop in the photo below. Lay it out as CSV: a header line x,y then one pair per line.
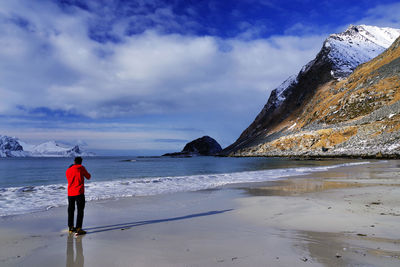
x,y
204,146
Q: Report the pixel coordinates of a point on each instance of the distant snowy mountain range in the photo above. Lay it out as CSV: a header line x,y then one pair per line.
x,y
12,147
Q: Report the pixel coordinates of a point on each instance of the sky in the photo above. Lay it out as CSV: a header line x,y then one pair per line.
x,y
145,77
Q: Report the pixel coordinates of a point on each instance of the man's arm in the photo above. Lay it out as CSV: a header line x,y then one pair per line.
x,y
86,174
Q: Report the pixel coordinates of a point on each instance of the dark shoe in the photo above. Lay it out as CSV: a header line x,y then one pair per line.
x,y
72,230
79,231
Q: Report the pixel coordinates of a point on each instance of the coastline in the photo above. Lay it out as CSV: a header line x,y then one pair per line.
x,y
342,216
316,156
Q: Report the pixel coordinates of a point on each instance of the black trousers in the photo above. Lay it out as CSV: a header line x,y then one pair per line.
x,y
80,204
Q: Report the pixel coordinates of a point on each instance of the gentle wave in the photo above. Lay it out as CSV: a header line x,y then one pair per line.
x,y
19,200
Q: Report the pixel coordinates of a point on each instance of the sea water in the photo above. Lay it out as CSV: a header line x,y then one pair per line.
x,y
35,184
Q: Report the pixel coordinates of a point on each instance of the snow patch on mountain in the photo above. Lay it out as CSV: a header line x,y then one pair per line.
x,y
357,45
280,90
50,147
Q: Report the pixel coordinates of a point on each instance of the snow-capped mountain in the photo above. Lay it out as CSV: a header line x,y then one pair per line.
x,y
12,147
344,51
339,57
356,45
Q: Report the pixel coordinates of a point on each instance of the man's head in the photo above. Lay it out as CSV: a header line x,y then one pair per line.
x,y
78,160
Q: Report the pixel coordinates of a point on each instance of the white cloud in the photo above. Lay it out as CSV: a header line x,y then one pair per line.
x,y
53,63
49,60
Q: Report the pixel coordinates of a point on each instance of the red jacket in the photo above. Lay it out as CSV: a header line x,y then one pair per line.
x,y
76,176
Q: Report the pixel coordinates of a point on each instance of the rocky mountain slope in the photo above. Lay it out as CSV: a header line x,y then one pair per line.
x,y
322,113
12,147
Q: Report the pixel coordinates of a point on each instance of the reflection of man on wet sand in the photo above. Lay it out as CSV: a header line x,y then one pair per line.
x,y
79,261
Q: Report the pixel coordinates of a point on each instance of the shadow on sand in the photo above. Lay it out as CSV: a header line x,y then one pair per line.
x,y
123,226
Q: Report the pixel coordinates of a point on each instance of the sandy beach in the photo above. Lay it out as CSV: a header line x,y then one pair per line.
x,y
348,216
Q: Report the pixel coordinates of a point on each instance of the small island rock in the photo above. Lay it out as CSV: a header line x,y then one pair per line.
x,y
204,146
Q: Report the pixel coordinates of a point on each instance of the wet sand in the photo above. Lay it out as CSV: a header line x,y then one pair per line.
x,y
347,216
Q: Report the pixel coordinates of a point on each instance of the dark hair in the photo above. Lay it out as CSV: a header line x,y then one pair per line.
x,y
78,160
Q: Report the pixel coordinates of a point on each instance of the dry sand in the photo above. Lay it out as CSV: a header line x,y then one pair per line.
x,y
348,216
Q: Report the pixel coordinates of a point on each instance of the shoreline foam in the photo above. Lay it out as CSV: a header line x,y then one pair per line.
x,y
26,199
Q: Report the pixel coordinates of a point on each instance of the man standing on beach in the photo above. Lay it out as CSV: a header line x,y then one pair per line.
x,y
76,175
